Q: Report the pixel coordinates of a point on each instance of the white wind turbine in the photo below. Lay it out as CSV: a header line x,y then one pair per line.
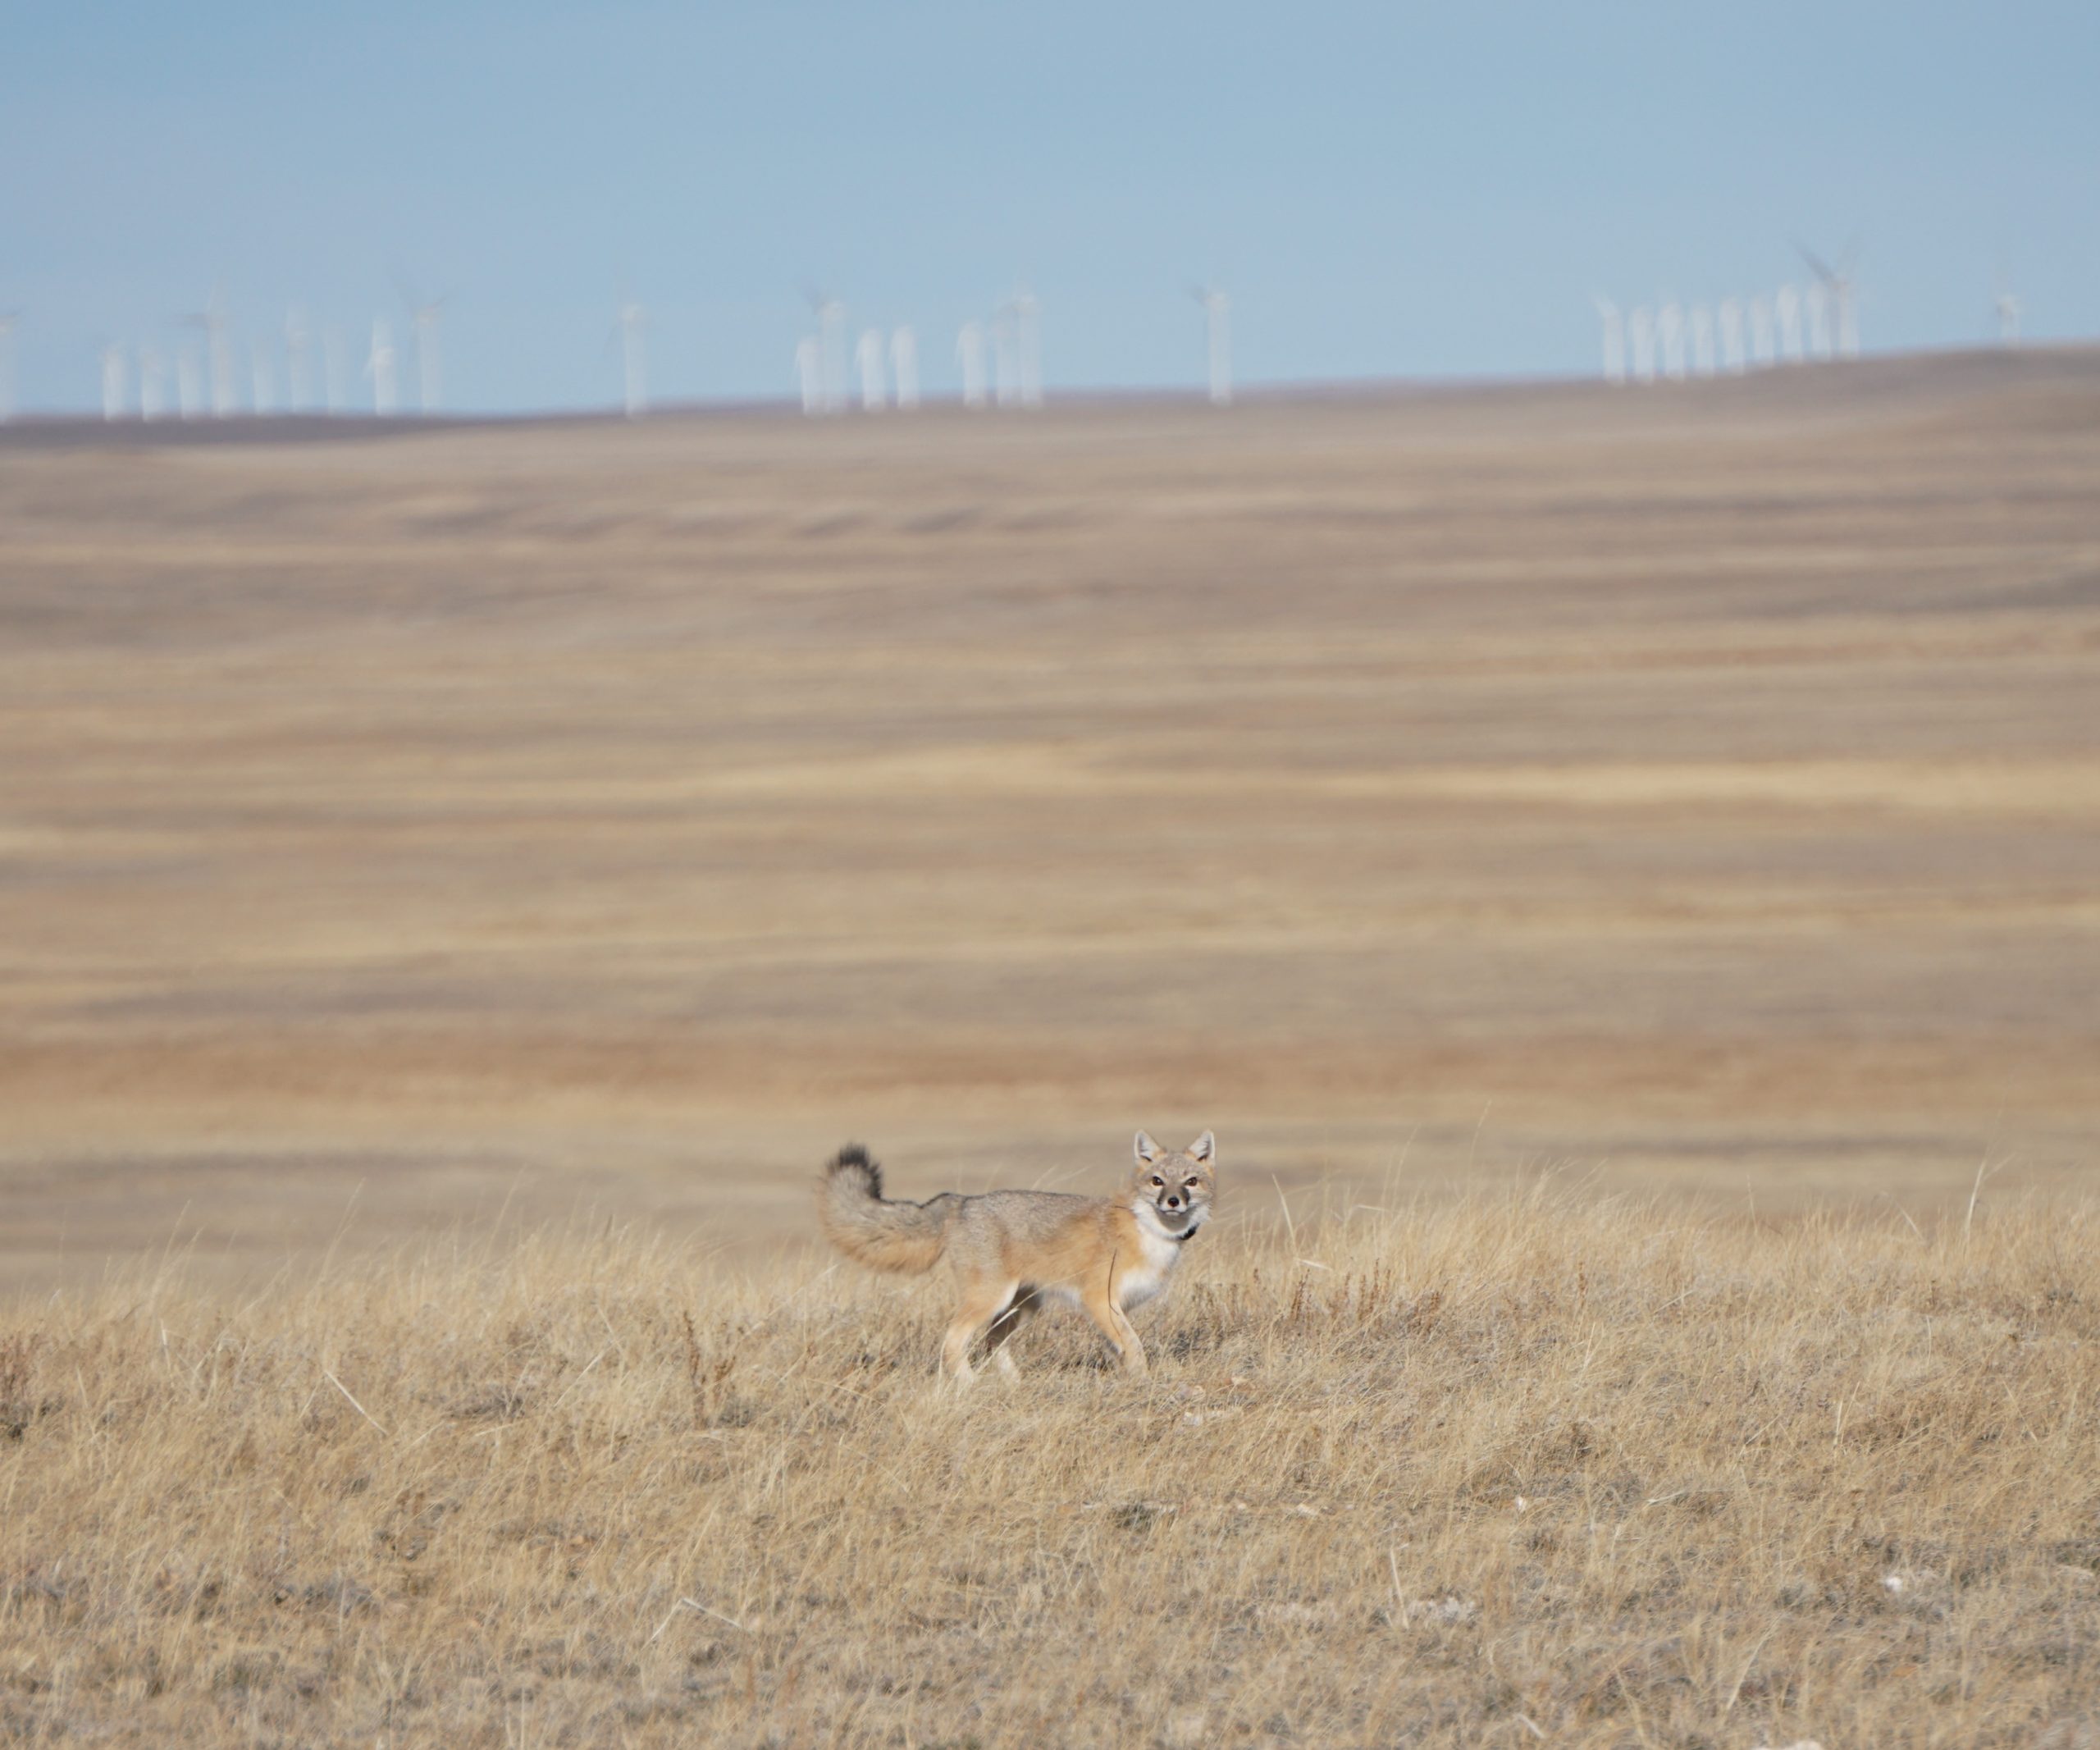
x,y
1762,353
1669,331
832,323
425,315
634,324
1615,339
1815,305
1028,346
1702,340
218,341
189,380
379,366
335,369
1786,307
904,367
969,360
150,381
2007,307
8,319
809,373
1730,316
1841,294
1006,358
830,315
266,395
874,394
112,382
218,347
1217,334
299,382
1640,343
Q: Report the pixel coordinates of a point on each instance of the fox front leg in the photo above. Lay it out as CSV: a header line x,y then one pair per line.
x,y
1102,1308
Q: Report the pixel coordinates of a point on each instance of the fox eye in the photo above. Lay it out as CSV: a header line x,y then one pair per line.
x,y
1189,1184
1157,1180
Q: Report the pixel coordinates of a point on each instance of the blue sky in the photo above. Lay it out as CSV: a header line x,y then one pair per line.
x,y
1384,190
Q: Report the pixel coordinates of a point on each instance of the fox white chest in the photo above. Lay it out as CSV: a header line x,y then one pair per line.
x,y
1156,1257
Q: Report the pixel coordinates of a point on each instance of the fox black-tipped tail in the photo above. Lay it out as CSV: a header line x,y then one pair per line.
x,y
907,1238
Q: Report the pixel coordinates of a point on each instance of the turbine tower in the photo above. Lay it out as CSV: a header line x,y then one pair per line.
x,y
1669,331
218,348
1614,337
335,369
112,382
970,360
299,382
1028,345
1762,352
149,383
1702,340
1815,304
869,357
266,394
1006,360
1842,296
633,325
1730,315
809,373
379,367
8,319
219,343
830,315
2007,307
190,380
1640,343
904,367
1786,307
1217,326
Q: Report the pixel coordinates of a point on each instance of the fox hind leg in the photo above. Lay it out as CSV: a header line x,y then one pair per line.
x,y
982,1302
1018,1310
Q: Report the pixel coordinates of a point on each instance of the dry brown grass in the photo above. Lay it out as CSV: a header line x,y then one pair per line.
x,y
1548,1467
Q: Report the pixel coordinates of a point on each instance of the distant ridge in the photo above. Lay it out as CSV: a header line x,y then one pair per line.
x,y
1878,378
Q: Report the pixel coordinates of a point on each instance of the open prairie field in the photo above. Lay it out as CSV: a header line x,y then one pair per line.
x,y
1617,871
1501,1469
1698,787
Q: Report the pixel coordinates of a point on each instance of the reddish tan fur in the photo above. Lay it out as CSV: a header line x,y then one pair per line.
x,y
1011,1251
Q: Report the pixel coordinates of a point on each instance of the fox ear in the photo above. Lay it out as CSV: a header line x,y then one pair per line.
x,y
1203,1149
1148,1150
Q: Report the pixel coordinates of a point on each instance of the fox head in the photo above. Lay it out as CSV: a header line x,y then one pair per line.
x,y
1173,1188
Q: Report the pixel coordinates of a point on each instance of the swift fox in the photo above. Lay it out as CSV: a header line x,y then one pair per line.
x,y
1012,1251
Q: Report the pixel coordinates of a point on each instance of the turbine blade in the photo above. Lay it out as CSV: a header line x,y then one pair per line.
x,y
1817,265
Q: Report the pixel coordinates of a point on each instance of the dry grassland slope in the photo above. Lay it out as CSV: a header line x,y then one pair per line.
x,y
1515,1470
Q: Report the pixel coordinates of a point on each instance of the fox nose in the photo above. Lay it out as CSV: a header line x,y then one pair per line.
x,y
1173,1202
